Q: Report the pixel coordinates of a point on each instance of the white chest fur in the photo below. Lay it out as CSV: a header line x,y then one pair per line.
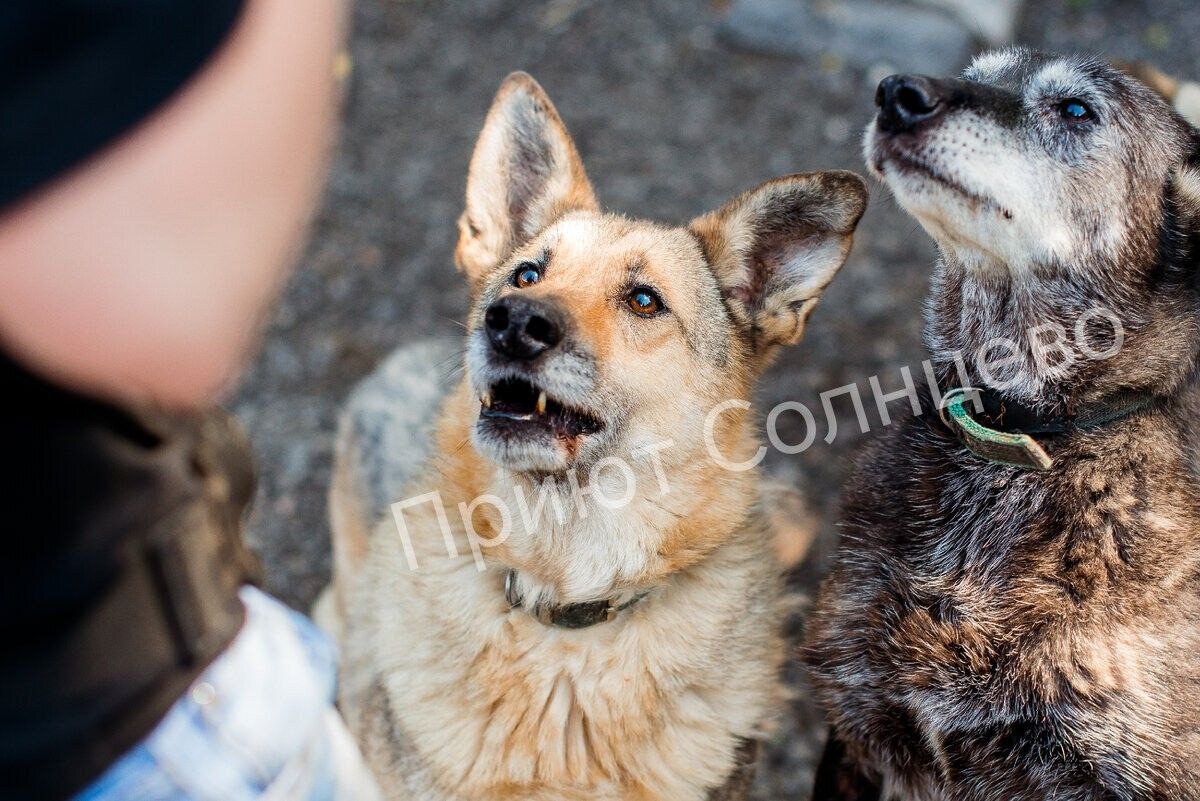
x,y
492,704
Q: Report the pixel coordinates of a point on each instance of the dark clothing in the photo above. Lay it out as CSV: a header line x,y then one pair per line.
x,y
120,574
75,74
122,553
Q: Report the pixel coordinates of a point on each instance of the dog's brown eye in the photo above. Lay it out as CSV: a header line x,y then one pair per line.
x,y
644,301
526,274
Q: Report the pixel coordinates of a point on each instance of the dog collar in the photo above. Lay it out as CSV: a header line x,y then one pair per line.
x,y
568,616
1002,431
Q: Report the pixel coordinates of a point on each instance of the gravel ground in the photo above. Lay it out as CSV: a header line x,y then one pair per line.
x,y
670,123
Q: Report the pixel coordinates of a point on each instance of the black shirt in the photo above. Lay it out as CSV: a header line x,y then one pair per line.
x,y
75,74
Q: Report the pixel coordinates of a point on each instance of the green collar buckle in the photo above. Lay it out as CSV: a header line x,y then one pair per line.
x,y
1015,449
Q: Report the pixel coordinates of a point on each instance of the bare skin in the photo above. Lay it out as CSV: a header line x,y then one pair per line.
x,y
141,276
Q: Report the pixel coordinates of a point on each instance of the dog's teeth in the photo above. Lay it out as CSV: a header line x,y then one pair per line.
x,y
541,404
486,400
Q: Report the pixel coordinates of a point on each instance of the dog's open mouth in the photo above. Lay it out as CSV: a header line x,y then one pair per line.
x,y
514,402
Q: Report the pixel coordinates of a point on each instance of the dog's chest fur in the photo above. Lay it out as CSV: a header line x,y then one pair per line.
x,y
458,697
997,634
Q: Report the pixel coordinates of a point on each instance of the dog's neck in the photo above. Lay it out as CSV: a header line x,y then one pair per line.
x,y
975,311
581,548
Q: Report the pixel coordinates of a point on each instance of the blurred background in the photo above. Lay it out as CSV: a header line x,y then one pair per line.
x,y
676,105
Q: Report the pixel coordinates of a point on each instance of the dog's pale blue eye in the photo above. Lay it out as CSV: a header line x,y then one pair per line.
x,y
1075,110
526,275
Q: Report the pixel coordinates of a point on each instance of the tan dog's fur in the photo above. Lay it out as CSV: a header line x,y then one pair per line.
x,y
454,695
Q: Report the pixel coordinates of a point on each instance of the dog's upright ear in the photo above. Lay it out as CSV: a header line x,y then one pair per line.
x,y
775,248
525,172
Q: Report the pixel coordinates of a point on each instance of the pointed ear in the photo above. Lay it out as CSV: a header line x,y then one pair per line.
x,y
525,173
775,249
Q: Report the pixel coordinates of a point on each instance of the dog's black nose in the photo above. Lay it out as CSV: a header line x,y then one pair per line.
x,y
522,328
907,101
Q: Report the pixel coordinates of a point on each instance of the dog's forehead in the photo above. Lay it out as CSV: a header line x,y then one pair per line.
x,y
608,241
1003,68
1031,72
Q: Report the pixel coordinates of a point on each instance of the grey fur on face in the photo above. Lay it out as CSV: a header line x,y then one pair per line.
x,y
994,634
1039,216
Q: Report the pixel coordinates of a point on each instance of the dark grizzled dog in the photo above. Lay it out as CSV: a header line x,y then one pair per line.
x,y
1030,630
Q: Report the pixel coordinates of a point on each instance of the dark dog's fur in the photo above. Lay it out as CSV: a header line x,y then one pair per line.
x,y
999,634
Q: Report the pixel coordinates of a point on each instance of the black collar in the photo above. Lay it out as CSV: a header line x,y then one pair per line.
x,y
1001,429
1013,416
569,616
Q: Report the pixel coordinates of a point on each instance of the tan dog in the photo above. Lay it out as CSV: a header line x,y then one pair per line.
x,y
622,642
